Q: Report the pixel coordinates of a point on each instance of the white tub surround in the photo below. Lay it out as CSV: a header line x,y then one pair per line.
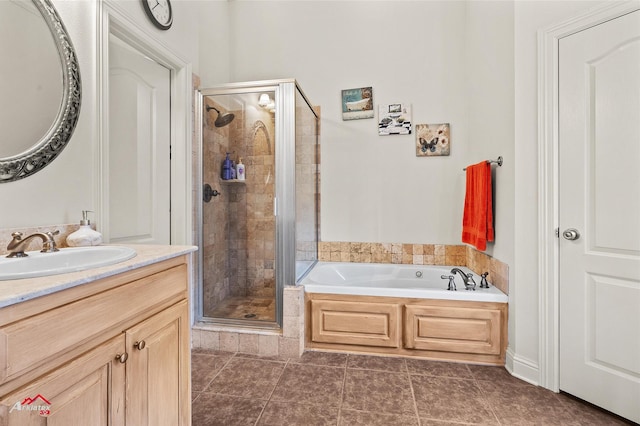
x,y
415,281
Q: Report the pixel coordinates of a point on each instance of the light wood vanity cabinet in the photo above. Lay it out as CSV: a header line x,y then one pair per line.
x,y
439,329
111,352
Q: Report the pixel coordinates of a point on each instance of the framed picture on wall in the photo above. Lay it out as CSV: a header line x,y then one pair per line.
x,y
433,139
394,119
357,103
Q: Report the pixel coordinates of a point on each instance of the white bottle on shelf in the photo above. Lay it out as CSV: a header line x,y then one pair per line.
x,y
240,170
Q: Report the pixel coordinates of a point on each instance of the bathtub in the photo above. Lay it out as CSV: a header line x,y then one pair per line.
x,y
393,280
357,105
403,310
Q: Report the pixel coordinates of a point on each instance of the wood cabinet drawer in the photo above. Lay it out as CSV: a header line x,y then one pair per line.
x,y
453,329
32,341
368,324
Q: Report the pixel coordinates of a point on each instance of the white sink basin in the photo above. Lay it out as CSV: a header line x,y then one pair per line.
x,y
63,261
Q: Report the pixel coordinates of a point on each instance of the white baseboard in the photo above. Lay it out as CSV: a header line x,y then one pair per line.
x,y
522,368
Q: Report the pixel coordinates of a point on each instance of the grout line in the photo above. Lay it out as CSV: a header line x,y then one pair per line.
x,y
487,401
218,373
272,391
413,395
344,381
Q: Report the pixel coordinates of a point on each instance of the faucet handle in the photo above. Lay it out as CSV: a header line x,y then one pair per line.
x,y
49,246
452,283
17,235
483,282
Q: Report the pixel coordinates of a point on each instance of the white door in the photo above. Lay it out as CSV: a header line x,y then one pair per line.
x,y
139,147
599,187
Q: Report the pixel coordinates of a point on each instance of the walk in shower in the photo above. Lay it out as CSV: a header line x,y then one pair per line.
x,y
257,234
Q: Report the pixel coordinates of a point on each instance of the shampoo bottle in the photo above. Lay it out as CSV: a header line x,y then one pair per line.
x,y
226,168
85,236
233,169
240,170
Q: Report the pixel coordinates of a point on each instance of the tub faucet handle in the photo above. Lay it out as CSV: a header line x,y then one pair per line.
x,y
483,282
452,284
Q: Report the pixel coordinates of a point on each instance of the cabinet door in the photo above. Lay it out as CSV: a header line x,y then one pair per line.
x,y
88,390
158,390
453,329
355,323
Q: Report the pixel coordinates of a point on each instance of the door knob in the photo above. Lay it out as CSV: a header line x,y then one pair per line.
x,y
571,234
123,357
140,345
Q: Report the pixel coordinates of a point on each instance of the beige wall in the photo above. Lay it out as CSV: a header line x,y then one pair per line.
x,y
58,193
529,17
435,55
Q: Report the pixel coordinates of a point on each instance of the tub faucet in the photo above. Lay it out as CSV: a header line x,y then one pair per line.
x,y
469,282
18,244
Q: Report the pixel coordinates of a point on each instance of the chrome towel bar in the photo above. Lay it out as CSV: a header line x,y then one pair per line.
x,y
497,161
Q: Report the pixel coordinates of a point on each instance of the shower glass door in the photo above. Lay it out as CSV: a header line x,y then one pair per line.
x,y
258,234
238,221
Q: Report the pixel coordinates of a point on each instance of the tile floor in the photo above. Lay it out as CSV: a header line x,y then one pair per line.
x,y
339,389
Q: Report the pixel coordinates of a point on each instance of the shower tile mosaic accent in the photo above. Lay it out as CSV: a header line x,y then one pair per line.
x,y
417,254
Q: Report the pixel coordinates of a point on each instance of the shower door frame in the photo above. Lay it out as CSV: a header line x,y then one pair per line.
x,y
284,200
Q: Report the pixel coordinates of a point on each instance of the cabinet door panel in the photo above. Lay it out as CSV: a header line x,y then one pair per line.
x,y
355,323
158,372
453,329
89,390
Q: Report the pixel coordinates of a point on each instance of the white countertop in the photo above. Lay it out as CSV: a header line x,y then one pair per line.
x,y
16,291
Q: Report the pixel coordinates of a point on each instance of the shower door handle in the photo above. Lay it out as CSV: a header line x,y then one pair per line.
x,y
208,192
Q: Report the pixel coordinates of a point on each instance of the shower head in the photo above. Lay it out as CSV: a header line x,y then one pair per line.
x,y
222,119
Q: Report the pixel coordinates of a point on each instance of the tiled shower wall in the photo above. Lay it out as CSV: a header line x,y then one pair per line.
x,y
216,272
256,146
418,254
238,225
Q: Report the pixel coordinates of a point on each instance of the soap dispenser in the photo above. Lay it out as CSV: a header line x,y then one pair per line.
x,y
85,236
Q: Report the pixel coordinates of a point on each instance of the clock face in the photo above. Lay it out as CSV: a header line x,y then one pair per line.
x,y
160,13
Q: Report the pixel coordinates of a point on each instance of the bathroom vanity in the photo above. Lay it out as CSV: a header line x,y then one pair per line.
x,y
107,346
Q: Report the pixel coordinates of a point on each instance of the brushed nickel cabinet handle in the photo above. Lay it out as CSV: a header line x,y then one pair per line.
x,y
123,357
140,345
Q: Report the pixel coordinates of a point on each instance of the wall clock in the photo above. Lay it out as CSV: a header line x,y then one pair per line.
x,y
160,13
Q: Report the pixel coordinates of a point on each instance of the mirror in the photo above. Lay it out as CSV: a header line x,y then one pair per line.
x,y
40,92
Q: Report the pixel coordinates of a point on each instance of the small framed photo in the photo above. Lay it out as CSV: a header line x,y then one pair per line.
x,y
394,119
357,103
433,139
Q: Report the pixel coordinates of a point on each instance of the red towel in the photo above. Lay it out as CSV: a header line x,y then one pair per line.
x,y
477,219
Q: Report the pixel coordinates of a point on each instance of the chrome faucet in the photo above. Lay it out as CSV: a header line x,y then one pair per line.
x,y
18,244
469,282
